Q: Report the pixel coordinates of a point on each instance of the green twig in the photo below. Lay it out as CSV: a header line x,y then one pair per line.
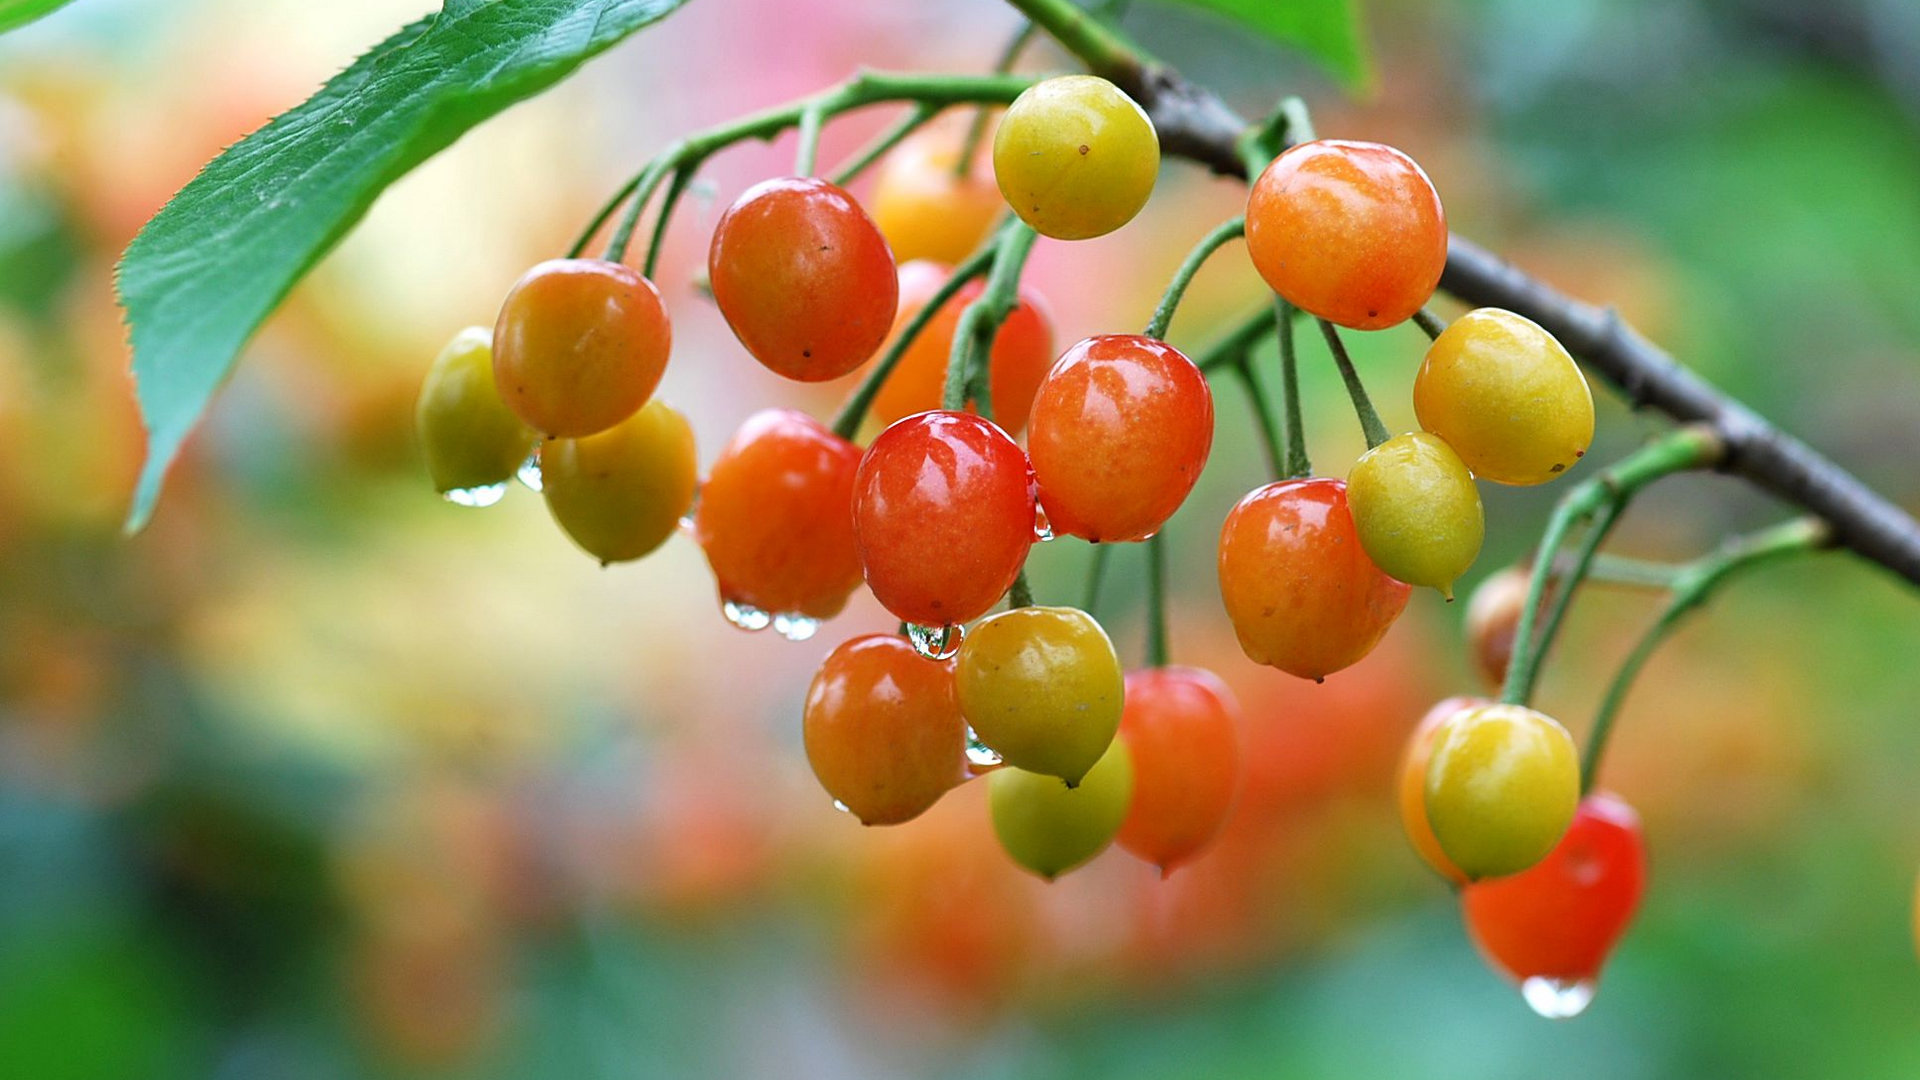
x,y
1230,349
1021,595
1430,324
1375,431
1297,463
1224,233
863,158
1269,425
973,335
1157,600
676,188
1096,573
977,128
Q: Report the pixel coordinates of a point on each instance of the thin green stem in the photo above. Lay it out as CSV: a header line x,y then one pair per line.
x,y
977,128
1096,573
1157,600
1297,463
676,188
1608,569
1229,350
973,335
1430,324
1021,595
846,423
644,187
1224,233
1677,451
863,158
811,120
1101,47
1269,425
1370,424
1567,584
601,217
1695,582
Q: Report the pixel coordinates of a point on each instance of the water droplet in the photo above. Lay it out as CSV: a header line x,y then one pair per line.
x,y
1557,999
484,495
795,627
936,642
745,616
979,754
529,471
1042,527
686,519
842,807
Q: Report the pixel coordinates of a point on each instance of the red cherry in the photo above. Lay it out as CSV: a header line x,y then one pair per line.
x,y
1182,725
943,511
1121,428
1299,588
776,517
804,278
1558,919
883,730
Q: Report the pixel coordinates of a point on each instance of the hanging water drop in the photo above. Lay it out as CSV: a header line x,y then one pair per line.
x,y
936,642
979,754
484,495
686,519
745,616
529,471
1557,999
842,807
1042,527
795,627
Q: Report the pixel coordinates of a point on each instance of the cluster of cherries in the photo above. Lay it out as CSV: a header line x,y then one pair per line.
x,y
937,515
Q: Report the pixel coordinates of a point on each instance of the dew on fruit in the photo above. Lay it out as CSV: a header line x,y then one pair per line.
x,y
979,754
795,627
529,471
686,519
1042,528
1557,999
745,616
842,807
483,495
936,642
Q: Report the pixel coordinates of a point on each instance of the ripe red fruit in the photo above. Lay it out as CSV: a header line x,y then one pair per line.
x,y
943,514
1022,351
883,729
1551,927
804,278
579,346
1300,590
1350,231
1182,726
775,518
1121,429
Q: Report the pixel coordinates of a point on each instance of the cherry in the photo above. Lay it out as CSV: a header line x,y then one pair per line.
x,y
1558,920
1416,510
1299,588
1122,426
1506,396
1022,352
621,493
1042,687
1412,786
883,730
468,435
1075,157
579,346
925,207
1350,231
1502,783
1182,728
776,517
943,514
1050,828
1493,621
804,278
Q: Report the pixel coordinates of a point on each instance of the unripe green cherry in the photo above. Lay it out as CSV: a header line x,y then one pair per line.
x,y
1050,828
1416,510
1041,686
469,436
1075,157
1506,396
621,493
1502,784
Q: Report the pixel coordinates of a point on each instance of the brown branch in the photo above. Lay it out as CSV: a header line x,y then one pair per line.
x,y
1195,124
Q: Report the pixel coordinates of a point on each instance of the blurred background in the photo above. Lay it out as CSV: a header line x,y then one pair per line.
x,y
321,776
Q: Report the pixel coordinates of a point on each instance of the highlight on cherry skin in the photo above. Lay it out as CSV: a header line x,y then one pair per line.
x,y
579,346
1121,427
1042,687
472,442
1075,157
775,519
1502,783
1352,232
803,277
1182,730
1551,927
1050,828
882,729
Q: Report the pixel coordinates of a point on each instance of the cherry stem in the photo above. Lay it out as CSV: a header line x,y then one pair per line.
x,y
681,179
809,149
1297,464
977,128
1021,595
846,423
1230,349
1157,600
980,323
1600,501
1269,425
1370,425
1224,233
1430,324
1609,569
864,157
1096,572
1692,584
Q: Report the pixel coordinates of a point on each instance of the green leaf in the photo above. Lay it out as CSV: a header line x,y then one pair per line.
x,y
15,13
219,257
1328,30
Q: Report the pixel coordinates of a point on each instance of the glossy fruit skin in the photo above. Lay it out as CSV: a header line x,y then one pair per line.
x,y
1493,621
924,208
1122,426
1506,396
776,516
943,515
467,434
1182,728
579,346
1502,784
1411,788
621,493
1075,157
1416,510
1561,918
1352,232
882,729
1301,592
1022,352
803,277
1042,686
1050,828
